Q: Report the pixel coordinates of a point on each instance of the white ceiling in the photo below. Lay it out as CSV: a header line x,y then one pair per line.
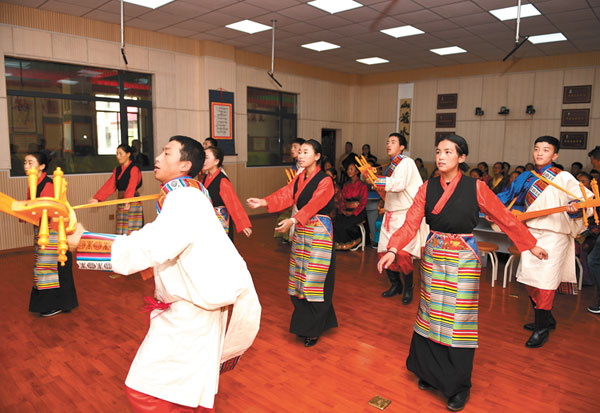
x,y
463,23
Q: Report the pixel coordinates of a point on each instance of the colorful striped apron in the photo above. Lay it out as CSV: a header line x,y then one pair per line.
x,y
129,221
450,270
312,245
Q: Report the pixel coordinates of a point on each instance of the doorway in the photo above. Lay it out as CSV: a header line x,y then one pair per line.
x,y
328,144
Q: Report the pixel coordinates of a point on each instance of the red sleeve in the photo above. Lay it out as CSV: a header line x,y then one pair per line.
x,y
319,199
108,188
363,195
491,206
414,217
134,179
234,206
282,198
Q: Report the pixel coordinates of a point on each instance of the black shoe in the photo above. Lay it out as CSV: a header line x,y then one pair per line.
x,y
408,288
394,289
50,313
538,338
594,308
457,402
310,341
551,323
423,385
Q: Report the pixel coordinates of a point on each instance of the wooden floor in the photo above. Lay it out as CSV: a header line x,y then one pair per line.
x,y
77,362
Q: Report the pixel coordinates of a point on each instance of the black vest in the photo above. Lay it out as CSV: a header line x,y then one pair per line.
x,y
123,181
214,189
42,185
460,214
309,190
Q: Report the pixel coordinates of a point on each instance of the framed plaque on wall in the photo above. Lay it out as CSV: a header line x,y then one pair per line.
x,y
442,135
573,140
447,101
445,120
577,94
575,117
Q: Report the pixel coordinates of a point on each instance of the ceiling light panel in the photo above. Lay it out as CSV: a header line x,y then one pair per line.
x,y
402,31
335,6
448,50
547,38
248,26
320,46
153,4
372,61
510,13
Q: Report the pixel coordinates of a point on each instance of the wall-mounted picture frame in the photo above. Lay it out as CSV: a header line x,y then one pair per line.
x,y
442,135
575,117
577,94
573,140
445,120
447,101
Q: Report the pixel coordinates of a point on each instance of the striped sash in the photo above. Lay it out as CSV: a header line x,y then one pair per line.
x,y
223,216
538,186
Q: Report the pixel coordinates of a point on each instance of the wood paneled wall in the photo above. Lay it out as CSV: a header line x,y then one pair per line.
x,y
361,108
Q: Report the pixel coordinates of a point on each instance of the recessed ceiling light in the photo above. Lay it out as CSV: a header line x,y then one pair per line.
x,y
320,46
402,31
448,50
153,4
547,38
372,60
510,13
335,6
248,26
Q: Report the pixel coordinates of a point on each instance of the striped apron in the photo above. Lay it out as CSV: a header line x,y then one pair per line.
x,y
450,270
129,221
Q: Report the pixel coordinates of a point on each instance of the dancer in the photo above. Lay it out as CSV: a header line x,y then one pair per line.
x,y
197,272
53,290
346,234
222,194
398,188
312,260
126,179
546,187
445,332
296,168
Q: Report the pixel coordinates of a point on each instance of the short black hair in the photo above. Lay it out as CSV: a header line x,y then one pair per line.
x,y
191,150
299,141
551,140
485,166
213,142
595,153
588,176
218,154
579,164
126,148
42,158
462,147
317,148
477,171
401,139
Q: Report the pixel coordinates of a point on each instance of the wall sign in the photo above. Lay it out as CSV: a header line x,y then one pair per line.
x,y
447,101
573,140
577,94
575,117
222,120
445,120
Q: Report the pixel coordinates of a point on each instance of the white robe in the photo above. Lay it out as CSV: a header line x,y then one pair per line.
x,y
401,189
199,271
556,234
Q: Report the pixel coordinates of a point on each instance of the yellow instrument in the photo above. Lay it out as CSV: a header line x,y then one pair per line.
x,y
366,170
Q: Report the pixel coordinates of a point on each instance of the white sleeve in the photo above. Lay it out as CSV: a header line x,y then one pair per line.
x,y
401,177
162,240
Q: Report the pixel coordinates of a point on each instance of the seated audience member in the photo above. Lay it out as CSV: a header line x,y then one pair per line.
x,y
529,166
327,164
422,169
595,174
513,176
476,173
520,169
506,168
585,179
346,233
483,167
366,152
576,167
435,173
499,181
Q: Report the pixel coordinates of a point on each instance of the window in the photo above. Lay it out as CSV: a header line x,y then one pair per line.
x,y
78,114
272,126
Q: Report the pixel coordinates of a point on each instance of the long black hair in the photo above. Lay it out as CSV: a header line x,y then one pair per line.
x,y
217,153
317,148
